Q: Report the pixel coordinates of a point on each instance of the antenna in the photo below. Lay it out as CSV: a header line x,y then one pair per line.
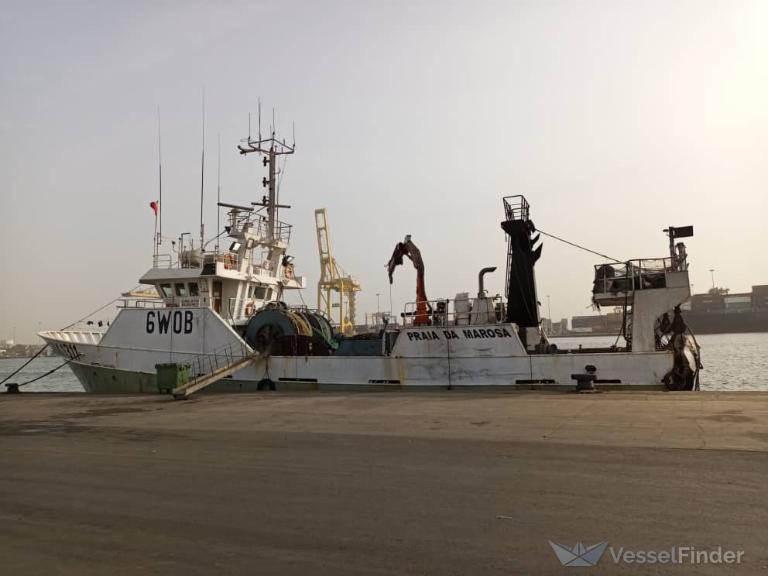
x,y
271,148
159,238
279,174
202,179
218,190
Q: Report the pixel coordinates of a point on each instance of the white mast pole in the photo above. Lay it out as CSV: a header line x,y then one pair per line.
x,y
218,195
202,179
159,213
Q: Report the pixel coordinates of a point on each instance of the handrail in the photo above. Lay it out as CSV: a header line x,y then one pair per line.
x,y
209,362
443,312
162,261
516,207
282,230
637,274
175,302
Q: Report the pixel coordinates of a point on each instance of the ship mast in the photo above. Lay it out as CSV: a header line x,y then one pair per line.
x,y
271,148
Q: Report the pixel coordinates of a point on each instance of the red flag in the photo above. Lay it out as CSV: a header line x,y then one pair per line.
x,y
155,207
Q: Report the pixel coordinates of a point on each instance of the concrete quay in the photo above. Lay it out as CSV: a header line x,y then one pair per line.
x,y
379,483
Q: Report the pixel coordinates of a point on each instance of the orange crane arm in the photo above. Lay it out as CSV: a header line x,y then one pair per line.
x,y
409,249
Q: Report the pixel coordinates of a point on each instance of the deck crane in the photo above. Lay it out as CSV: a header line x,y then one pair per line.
x,y
336,289
408,248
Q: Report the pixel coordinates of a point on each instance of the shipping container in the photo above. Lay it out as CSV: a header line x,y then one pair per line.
x,y
760,296
707,302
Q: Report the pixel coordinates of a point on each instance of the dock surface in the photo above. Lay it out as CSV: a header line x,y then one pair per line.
x,y
381,483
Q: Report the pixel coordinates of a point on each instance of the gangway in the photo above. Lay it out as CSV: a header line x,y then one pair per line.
x,y
210,368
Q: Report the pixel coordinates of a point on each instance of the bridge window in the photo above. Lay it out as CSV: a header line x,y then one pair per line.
x,y
181,290
166,290
193,290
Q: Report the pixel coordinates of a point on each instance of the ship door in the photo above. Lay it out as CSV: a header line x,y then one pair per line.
x,y
217,296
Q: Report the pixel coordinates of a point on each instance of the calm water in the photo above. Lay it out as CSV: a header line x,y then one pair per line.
x,y
731,362
63,380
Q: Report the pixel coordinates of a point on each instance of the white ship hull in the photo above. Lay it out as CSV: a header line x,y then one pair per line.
x,y
124,358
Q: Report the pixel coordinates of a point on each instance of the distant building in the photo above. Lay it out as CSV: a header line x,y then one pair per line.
x,y
609,323
760,297
720,300
554,328
717,311
19,350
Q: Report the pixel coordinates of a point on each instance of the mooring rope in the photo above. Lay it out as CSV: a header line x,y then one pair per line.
x,y
100,308
49,371
20,368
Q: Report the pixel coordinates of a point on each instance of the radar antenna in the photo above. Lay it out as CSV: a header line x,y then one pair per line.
x,y
271,148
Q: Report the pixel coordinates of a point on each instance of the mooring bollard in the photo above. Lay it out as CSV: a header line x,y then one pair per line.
x,y
12,388
586,382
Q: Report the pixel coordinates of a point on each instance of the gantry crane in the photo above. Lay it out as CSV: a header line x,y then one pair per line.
x,y
336,289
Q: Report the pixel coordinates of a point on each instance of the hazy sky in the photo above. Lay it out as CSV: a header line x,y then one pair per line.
x,y
615,119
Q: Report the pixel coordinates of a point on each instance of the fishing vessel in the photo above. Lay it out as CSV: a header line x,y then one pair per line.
x,y
220,314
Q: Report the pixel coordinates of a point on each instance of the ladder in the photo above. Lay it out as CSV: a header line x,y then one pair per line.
x,y
218,365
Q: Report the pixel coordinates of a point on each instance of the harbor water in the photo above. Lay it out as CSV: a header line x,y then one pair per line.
x,y
732,362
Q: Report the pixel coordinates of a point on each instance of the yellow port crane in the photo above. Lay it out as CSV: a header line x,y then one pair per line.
x,y
336,289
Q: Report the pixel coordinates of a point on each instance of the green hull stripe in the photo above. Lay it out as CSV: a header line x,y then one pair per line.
x,y
101,380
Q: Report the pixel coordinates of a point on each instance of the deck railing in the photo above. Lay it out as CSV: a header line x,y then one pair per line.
x,y
162,261
516,207
176,302
640,274
207,363
489,310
